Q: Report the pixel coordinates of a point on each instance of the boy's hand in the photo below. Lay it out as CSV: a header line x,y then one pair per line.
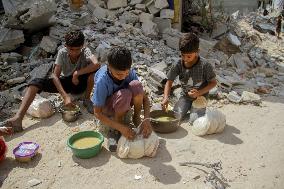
x,y
193,93
6,130
67,100
146,129
165,104
127,132
75,79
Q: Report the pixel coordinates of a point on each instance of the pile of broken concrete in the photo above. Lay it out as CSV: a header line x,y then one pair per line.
x,y
248,63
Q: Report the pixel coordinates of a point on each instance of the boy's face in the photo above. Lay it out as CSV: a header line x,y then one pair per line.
x,y
118,74
74,52
189,58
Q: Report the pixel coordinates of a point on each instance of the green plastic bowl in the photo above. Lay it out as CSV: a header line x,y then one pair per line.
x,y
87,152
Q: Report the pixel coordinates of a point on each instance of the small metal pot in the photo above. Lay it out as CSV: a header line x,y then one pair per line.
x,y
70,113
161,126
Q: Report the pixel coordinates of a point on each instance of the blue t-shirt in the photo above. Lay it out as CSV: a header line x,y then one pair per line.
x,y
105,86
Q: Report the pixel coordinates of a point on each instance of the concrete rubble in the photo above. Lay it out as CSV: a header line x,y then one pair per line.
x,y
29,15
48,44
249,64
10,39
114,4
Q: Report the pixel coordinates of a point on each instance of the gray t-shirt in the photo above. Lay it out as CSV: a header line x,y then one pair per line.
x,y
197,76
67,68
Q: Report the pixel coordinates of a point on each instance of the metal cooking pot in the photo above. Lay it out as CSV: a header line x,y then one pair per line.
x,y
164,126
70,112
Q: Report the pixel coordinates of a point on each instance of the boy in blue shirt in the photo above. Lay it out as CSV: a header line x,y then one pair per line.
x,y
116,90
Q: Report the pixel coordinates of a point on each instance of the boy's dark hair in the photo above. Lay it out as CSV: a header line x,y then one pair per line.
x,y
119,58
74,38
189,43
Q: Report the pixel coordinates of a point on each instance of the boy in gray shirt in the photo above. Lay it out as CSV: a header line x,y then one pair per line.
x,y
196,75
73,73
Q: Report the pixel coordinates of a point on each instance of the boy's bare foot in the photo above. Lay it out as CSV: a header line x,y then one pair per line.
x,y
14,122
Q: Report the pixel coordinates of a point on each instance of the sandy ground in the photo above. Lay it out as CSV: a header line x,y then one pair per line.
x,y
251,151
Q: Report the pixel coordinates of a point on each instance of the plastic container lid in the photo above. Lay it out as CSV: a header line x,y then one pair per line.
x,y
26,149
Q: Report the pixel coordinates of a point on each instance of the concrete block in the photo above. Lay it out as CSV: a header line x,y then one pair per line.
x,y
116,4
48,44
234,39
141,7
100,12
144,17
171,37
162,23
150,29
10,39
161,4
167,13
135,2
151,7
128,17
39,15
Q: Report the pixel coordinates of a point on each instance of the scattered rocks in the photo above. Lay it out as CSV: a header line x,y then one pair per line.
x,y
38,15
234,97
162,24
150,29
145,17
167,13
251,97
128,17
172,36
48,44
115,4
234,40
241,61
16,80
226,46
10,39
34,182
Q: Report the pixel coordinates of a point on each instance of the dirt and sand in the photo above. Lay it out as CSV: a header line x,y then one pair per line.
x,y
250,149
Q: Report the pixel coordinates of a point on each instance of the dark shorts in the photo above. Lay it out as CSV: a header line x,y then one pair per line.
x,y
47,85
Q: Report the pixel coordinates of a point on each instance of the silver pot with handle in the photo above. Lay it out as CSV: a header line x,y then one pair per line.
x,y
70,112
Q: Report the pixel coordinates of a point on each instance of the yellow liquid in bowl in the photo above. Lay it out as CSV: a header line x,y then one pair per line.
x,y
86,142
164,119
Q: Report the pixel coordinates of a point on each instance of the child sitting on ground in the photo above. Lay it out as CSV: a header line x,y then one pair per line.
x,y
196,76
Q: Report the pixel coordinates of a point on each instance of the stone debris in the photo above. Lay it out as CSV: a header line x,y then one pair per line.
x,y
10,39
161,4
167,13
234,97
150,29
115,4
16,80
248,63
29,15
171,37
34,182
162,24
144,17
48,44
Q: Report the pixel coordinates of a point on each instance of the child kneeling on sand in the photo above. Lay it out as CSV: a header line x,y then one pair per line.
x,y
116,90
